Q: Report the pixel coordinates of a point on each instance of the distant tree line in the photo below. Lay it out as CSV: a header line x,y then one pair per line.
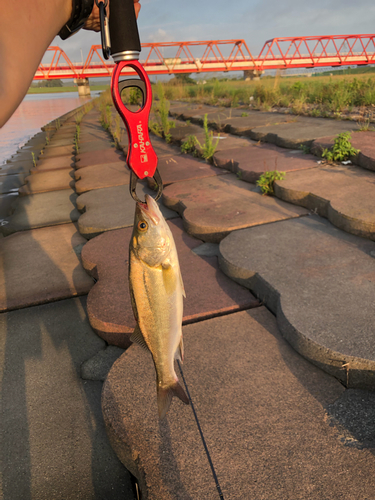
x,y
47,83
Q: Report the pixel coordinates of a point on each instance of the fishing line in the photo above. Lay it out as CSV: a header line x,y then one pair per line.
x,y
202,437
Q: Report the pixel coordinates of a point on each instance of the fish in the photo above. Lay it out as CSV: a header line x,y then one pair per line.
x,y
157,291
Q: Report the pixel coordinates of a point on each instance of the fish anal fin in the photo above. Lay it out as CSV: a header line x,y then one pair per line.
x,y
182,286
179,354
137,338
165,395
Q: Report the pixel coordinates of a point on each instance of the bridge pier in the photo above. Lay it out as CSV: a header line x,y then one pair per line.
x,y
252,74
83,86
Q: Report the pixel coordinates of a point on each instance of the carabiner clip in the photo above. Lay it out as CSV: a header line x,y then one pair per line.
x,y
133,186
104,28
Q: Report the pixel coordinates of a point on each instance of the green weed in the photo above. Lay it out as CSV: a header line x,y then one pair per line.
x,y
116,132
188,147
163,111
76,137
105,116
79,118
364,121
243,115
305,149
155,128
266,181
33,157
208,148
342,149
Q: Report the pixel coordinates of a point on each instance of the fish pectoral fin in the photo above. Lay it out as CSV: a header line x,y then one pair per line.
x,y
166,264
165,395
137,338
179,354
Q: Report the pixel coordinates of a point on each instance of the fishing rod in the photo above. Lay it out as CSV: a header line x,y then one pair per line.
x,y
120,40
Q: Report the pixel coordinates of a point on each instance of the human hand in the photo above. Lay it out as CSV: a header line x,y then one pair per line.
x,y
93,22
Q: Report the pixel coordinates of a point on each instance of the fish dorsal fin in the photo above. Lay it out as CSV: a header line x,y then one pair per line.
x,y
137,338
179,354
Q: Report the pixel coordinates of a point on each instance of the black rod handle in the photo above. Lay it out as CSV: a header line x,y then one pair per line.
x,y
123,27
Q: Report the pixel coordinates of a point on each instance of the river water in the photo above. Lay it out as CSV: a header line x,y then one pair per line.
x,y
35,111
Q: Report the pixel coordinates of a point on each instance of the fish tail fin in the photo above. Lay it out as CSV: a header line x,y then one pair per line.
x,y
165,395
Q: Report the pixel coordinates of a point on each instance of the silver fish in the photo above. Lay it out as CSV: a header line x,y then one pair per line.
x,y
156,290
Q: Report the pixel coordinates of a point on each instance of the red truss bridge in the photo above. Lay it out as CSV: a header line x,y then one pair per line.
x,y
220,55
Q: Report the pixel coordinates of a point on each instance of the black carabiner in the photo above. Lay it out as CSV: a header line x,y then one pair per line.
x,y
133,186
104,28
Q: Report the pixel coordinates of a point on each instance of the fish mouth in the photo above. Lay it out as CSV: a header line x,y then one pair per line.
x,y
146,209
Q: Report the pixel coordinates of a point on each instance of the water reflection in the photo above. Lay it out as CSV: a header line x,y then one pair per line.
x,y
35,111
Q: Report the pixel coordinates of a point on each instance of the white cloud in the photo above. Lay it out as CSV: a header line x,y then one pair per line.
x,y
160,36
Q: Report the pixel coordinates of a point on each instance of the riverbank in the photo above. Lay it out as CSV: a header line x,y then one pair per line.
x,y
336,96
58,90
35,111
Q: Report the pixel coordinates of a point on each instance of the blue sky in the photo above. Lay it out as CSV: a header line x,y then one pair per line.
x,y
253,20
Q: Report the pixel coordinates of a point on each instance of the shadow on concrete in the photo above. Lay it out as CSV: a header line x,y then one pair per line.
x,y
53,440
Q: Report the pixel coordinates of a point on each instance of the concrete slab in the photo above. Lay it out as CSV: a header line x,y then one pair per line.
x,y
183,168
353,415
162,149
182,131
6,201
17,167
42,265
195,113
213,207
284,130
364,141
111,208
59,142
344,195
208,292
97,367
41,210
92,135
226,141
250,163
165,470
54,442
96,145
99,158
38,140
245,125
23,156
51,164
101,176
48,181
52,152
303,130
63,133
221,140
11,183
320,282
261,411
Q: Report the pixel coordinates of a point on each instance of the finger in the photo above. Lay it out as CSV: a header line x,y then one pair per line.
x,y
137,7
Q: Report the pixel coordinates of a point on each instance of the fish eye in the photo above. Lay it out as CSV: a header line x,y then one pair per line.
x,y
142,225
